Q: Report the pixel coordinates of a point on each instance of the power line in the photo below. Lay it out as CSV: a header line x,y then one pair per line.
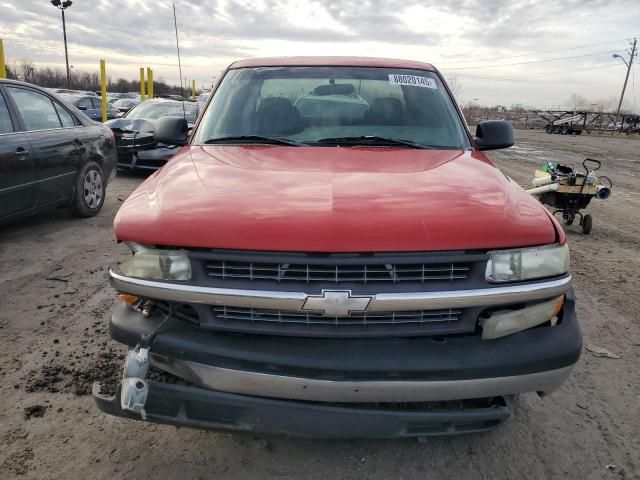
x,y
543,74
539,52
532,61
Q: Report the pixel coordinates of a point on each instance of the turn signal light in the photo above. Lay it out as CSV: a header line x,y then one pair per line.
x,y
128,299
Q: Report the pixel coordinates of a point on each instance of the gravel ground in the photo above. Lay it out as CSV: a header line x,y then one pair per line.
x,y
54,344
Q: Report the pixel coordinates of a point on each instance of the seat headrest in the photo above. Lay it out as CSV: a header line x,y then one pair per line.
x,y
385,111
277,115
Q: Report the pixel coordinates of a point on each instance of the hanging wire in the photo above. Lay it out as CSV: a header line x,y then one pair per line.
x,y
544,60
475,78
555,50
175,24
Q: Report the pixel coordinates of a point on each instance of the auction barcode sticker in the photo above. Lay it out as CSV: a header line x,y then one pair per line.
x,y
412,80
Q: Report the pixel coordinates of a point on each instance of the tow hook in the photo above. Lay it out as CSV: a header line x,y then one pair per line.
x,y
134,387
147,308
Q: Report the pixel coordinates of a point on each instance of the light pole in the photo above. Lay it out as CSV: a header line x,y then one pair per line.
x,y
628,64
62,6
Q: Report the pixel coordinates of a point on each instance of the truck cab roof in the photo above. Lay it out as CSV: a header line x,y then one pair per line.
x,y
331,62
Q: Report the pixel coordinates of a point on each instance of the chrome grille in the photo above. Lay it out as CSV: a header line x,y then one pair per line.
x,y
361,319
327,273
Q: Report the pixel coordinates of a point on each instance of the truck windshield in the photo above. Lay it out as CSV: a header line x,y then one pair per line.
x,y
327,106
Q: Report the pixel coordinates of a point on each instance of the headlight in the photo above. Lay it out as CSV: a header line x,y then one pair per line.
x,y
156,264
527,263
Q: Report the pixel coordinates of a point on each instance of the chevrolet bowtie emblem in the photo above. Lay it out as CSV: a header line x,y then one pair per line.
x,y
336,303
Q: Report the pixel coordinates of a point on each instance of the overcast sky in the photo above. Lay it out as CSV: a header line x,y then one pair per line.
x,y
534,52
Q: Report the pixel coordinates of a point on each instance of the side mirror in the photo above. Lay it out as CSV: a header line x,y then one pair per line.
x,y
494,134
171,130
82,107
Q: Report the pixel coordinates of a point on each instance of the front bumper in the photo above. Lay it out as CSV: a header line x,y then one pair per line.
x,y
144,158
267,383
206,409
322,390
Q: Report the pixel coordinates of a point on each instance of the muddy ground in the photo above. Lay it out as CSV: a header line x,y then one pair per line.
x,y
54,344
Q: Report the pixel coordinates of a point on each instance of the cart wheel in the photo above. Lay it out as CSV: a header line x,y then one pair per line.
x,y
564,130
587,224
556,130
568,218
548,129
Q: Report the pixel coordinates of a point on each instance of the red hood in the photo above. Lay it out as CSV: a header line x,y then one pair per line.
x,y
332,199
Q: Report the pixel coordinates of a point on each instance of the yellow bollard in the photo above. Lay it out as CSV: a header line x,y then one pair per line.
x,y
193,89
142,89
149,82
103,82
3,69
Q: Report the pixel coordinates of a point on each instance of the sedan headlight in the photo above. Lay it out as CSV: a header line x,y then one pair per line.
x,y
527,263
156,264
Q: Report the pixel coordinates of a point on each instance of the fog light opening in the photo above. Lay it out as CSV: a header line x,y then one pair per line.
x,y
509,321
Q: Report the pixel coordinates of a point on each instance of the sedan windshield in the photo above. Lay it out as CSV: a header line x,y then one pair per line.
x,y
152,110
125,103
328,106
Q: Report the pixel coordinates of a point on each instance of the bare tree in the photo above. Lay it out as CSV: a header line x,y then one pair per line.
x,y
455,85
12,72
26,71
606,104
54,77
577,102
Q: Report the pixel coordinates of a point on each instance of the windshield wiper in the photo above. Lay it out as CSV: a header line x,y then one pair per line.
x,y
254,139
370,140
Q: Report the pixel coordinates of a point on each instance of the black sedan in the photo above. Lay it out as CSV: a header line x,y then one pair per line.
x,y
51,154
136,145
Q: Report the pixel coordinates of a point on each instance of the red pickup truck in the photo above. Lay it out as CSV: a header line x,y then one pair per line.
x,y
330,254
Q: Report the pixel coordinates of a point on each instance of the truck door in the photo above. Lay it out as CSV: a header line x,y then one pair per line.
x,y
54,138
17,187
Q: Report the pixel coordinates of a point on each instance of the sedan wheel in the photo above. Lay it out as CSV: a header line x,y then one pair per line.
x,y
93,189
90,190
